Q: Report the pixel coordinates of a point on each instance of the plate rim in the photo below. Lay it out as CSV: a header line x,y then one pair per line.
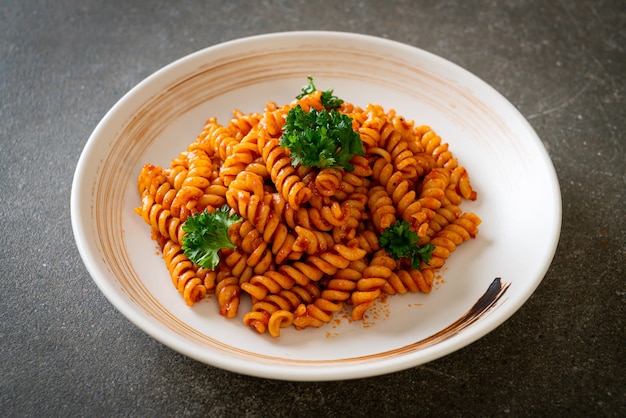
x,y
364,370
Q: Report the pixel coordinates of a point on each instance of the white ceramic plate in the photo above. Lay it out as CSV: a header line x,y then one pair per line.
x,y
518,201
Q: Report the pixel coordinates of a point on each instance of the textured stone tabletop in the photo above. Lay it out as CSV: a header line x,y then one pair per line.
x,y
66,351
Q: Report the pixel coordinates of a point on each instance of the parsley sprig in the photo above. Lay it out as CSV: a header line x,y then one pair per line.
x,y
206,234
320,138
400,241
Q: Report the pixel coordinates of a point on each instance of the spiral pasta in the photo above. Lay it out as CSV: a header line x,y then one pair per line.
x,y
307,245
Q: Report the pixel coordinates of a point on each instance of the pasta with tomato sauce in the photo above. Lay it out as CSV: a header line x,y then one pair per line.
x,y
310,240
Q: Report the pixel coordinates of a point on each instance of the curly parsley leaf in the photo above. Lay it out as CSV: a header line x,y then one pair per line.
x,y
307,88
329,100
320,138
206,234
400,241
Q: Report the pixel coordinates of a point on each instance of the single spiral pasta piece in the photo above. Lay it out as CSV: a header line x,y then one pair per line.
x,y
279,319
433,193
155,202
282,173
452,235
162,220
460,178
394,139
183,273
370,286
327,181
371,125
216,139
200,170
192,188
401,191
243,154
228,294
209,278
443,158
405,281
356,203
444,215
241,124
146,176
164,189
381,208
258,319
271,123
428,138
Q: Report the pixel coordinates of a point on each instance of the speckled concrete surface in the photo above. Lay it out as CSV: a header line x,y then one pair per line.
x,y
65,351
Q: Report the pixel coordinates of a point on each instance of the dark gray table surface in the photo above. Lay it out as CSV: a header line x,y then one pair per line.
x,y
64,349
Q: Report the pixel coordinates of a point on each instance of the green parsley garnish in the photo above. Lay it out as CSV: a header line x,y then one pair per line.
x,y
320,138
400,241
329,101
206,234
